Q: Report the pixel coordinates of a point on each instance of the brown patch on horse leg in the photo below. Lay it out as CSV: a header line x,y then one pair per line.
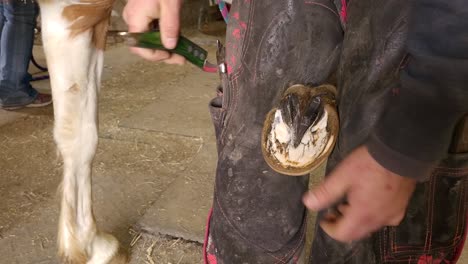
x,y
90,15
74,89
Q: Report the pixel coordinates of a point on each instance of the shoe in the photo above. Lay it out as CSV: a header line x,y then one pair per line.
x,y
41,100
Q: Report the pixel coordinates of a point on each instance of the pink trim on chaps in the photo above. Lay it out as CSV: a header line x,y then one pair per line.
x,y
344,11
208,258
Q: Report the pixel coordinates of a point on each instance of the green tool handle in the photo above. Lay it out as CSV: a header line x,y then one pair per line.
x,y
186,48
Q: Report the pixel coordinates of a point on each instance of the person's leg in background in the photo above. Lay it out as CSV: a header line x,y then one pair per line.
x,y
434,228
258,215
2,23
16,41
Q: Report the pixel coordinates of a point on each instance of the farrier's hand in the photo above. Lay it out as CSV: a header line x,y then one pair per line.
x,y
139,13
376,197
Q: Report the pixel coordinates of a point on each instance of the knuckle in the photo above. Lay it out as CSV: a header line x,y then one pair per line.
x,y
125,15
322,193
344,236
171,29
367,218
128,12
397,219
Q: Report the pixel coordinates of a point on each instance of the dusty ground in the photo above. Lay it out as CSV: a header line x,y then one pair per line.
x,y
140,164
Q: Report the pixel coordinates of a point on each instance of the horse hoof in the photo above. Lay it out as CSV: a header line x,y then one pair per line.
x,y
299,134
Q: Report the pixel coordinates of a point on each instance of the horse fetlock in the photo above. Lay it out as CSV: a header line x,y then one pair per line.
x,y
105,249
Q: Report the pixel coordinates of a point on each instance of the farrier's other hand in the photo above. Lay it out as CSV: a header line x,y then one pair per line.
x,y
376,197
138,14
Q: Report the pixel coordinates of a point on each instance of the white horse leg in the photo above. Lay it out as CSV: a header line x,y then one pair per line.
x,y
74,55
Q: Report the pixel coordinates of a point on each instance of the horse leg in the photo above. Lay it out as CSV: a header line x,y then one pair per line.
x,y
74,52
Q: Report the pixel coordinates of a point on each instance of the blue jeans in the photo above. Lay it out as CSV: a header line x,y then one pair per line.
x,y
17,23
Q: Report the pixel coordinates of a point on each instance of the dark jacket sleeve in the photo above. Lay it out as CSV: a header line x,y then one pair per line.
x,y
416,130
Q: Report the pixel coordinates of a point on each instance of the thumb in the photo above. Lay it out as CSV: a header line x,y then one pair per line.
x,y
169,22
330,191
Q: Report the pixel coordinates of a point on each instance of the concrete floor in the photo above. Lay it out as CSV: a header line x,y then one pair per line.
x,y
153,171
